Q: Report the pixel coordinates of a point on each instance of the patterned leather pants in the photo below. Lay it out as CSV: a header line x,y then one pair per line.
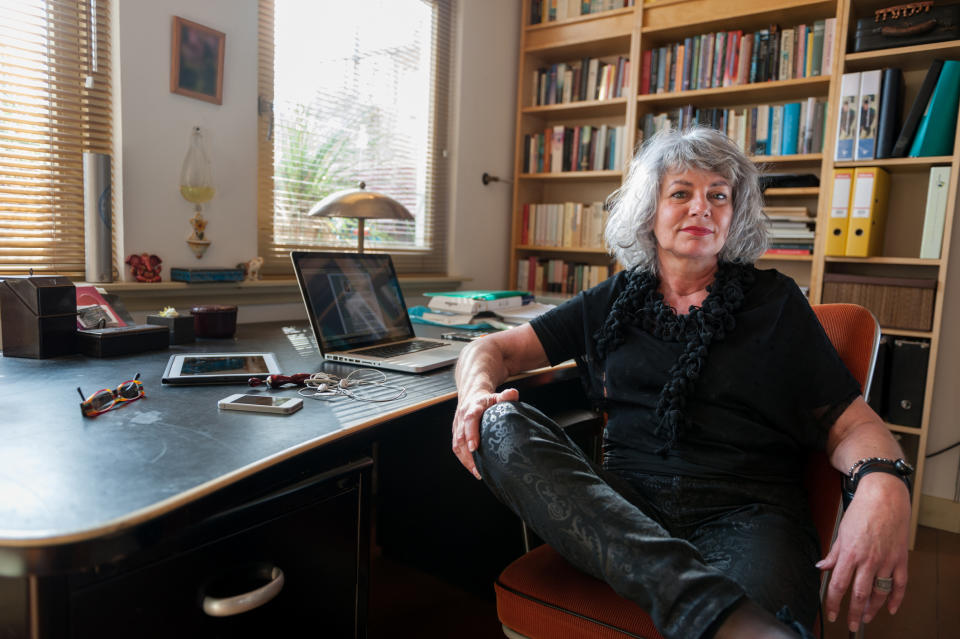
x,y
686,550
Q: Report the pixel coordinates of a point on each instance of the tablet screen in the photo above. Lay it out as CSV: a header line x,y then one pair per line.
x,y
223,365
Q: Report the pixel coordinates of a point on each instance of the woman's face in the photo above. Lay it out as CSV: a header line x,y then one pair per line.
x,y
693,215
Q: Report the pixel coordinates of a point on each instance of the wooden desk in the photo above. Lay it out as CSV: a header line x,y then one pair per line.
x,y
94,511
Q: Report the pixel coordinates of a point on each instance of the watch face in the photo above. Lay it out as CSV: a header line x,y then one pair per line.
x,y
903,467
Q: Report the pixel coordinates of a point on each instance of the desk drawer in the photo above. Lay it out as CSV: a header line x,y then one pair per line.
x,y
320,548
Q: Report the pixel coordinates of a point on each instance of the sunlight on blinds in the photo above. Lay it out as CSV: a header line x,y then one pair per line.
x,y
50,113
355,99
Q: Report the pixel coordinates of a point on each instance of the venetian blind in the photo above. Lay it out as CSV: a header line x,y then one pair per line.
x,y
354,92
55,104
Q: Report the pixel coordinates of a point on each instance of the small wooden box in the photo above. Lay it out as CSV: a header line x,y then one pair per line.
x,y
895,302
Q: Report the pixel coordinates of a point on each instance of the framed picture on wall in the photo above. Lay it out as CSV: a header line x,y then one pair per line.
x,y
196,64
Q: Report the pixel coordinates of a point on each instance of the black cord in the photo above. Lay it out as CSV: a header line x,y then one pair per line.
x,y
943,450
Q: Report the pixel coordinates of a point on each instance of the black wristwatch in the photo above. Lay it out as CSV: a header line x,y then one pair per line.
x,y
898,467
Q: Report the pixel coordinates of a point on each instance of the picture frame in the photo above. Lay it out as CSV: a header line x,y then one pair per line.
x,y
196,61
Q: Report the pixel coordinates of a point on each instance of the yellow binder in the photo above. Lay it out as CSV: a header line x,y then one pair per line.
x,y
839,212
868,211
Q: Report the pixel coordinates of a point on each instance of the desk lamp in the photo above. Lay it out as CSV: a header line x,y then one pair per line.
x,y
360,204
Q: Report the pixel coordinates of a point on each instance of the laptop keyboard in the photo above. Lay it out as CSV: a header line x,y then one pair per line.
x,y
405,348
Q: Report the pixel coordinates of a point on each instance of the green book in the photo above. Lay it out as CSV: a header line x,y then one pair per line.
x,y
939,121
480,295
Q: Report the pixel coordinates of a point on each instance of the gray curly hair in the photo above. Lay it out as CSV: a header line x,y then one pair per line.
x,y
633,207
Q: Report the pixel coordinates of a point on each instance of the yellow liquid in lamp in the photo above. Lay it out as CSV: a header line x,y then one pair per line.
x,y
197,194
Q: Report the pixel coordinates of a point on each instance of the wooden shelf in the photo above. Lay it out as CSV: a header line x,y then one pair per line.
x,y
796,158
560,249
908,430
799,191
906,58
668,21
583,109
590,35
901,165
903,261
906,332
786,257
756,93
574,175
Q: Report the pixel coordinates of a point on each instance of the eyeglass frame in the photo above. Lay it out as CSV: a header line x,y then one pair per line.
x,y
115,395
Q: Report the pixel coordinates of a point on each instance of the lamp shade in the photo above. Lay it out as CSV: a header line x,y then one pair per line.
x,y
362,204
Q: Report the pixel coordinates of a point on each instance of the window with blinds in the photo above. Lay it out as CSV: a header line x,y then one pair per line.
x,y
350,92
54,105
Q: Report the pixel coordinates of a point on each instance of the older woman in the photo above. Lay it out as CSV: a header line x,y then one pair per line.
x,y
716,378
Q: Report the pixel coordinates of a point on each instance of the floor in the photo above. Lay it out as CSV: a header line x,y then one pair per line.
x,y
408,603
931,607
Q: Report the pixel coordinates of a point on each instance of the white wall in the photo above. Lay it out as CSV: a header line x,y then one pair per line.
x,y
155,124
488,39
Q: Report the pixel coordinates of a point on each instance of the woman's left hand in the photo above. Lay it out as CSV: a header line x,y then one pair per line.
x,y
871,544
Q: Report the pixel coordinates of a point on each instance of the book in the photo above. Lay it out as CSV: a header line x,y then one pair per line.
x,y
847,116
476,301
919,106
791,128
817,50
891,105
939,122
935,213
93,311
868,103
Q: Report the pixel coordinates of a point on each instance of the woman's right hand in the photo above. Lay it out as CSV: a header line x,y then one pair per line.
x,y
482,366
466,423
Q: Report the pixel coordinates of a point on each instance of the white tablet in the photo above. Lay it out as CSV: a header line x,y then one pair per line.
x,y
219,368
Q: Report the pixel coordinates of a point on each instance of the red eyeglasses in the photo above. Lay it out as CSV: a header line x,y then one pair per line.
x,y
106,399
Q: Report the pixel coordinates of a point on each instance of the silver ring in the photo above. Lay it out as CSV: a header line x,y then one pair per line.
x,y
883,584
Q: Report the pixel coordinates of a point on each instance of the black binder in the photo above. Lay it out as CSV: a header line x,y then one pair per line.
x,y
891,105
908,380
878,386
910,123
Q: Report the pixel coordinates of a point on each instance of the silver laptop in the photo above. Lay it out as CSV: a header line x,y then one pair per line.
x,y
357,313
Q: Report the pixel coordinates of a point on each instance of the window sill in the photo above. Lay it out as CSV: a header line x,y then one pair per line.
x,y
152,296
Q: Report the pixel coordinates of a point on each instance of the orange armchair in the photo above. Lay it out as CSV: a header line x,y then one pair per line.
x,y
541,596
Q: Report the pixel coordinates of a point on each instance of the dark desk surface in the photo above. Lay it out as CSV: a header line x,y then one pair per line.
x,y
65,479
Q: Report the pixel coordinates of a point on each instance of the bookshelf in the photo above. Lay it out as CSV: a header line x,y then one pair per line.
x,y
902,237
634,31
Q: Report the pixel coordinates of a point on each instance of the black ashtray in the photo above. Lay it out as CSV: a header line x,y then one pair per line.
x,y
181,327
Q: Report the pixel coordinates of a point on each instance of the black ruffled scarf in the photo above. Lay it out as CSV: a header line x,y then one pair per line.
x,y
641,304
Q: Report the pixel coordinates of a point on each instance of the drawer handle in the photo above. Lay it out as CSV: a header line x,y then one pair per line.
x,y
228,606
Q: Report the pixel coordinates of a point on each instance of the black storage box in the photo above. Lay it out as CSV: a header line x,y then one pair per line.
x,y
180,327
908,381
122,340
907,25
38,314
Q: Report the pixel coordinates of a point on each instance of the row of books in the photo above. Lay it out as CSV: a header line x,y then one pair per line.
x,y
558,276
579,148
778,129
563,225
729,58
871,103
579,80
552,10
792,230
858,211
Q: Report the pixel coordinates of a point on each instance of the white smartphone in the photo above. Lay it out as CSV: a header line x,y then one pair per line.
x,y
261,403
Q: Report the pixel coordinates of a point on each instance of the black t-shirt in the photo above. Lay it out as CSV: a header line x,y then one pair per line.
x,y
769,391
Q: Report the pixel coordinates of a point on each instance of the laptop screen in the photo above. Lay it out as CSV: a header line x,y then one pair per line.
x,y
353,300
